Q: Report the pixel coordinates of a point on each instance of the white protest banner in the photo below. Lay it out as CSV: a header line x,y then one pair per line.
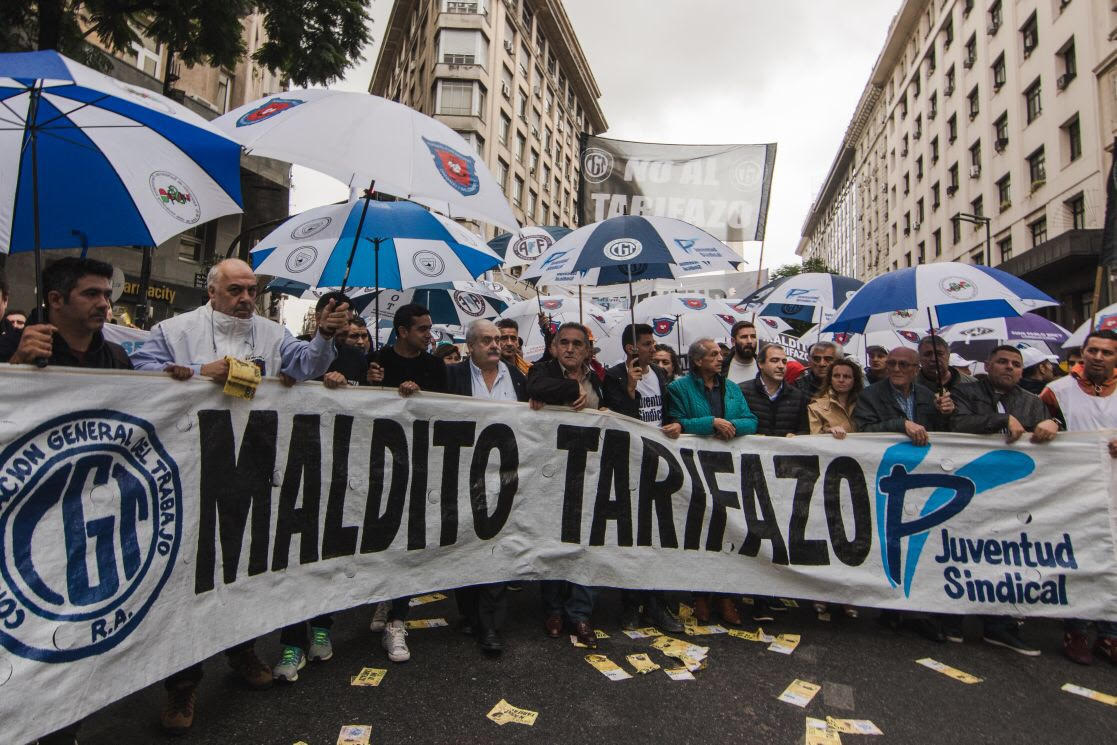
x,y
146,524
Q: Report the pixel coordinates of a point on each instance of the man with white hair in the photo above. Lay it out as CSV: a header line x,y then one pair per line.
x,y
199,341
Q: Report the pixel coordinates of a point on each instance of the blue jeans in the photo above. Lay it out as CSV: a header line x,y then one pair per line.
x,y
575,602
1079,626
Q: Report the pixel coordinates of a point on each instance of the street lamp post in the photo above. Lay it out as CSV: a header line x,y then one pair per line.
x,y
979,220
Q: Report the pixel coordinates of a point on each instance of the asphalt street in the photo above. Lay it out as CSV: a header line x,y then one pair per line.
x,y
443,694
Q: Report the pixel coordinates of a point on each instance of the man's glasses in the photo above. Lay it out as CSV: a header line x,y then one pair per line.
x,y
900,364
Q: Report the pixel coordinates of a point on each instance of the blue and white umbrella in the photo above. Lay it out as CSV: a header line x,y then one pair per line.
x,y
559,310
89,160
943,294
527,244
803,297
450,303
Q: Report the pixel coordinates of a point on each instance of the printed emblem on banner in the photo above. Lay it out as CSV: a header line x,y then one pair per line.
x,y
175,197
301,259
663,326
694,303
747,174
622,249
311,227
976,331
428,263
910,336
958,288
789,309
943,495
842,337
459,170
899,319
470,303
730,320
597,164
90,524
267,110
551,304
768,322
531,247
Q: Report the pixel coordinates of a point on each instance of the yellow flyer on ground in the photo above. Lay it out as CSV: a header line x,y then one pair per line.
x,y
784,644
853,726
947,670
678,673
425,623
355,734
800,692
607,667
369,676
696,630
646,633
600,634
818,733
504,712
1093,695
434,597
641,663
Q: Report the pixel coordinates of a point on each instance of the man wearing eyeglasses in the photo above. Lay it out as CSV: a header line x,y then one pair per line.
x,y
897,404
821,356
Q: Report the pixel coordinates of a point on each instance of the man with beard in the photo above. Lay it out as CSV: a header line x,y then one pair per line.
x,y
511,344
741,367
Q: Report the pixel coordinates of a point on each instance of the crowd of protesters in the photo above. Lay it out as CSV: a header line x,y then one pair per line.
x,y
740,391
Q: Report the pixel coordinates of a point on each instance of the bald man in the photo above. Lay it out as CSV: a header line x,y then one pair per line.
x,y
897,404
196,343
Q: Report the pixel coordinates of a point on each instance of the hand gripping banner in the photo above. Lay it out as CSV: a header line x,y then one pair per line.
x,y
146,524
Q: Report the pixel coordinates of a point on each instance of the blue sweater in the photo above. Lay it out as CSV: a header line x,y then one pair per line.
x,y
690,408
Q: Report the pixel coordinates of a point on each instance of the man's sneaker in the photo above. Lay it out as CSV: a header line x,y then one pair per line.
x,y
1009,638
320,647
178,713
395,642
1106,646
1077,648
291,661
380,616
953,633
250,669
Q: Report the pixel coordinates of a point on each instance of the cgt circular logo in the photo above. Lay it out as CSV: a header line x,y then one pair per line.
x,y
90,525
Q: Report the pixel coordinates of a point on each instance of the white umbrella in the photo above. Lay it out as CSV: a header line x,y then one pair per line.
x,y
560,310
358,139
1105,320
855,345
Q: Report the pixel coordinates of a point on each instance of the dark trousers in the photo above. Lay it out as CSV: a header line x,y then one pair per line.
x,y
192,675
561,598
633,599
401,608
295,635
484,606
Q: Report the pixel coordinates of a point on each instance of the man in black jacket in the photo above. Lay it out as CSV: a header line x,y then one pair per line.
x,y
567,380
780,409
934,353
820,357
484,375
638,389
997,403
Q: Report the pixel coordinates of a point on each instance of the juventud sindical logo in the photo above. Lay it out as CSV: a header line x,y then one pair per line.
x,y
175,197
90,523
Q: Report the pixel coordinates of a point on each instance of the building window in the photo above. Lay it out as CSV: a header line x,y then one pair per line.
x,y
198,243
933,106
1004,192
1037,168
502,174
1070,65
996,17
1076,206
977,207
1029,34
1032,103
973,105
975,159
1073,130
903,106
518,151
907,223
935,150
936,199
529,210
904,146
947,33
475,140
919,211
509,32
970,57
919,168
1038,230
907,183
505,128
952,175
521,104
937,242
948,87
526,15
999,72
464,6
978,258
1000,133
460,98
917,128
1005,248
517,191
224,92
915,88
461,47
955,230
921,253
952,128
545,179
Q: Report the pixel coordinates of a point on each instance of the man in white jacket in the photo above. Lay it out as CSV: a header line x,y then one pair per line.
x,y
198,342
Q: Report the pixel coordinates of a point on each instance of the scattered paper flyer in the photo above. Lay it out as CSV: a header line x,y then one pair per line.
x,y
678,673
788,602
784,643
947,670
696,630
369,676
752,636
607,667
425,623
434,597
685,612
641,663
800,692
647,633
504,712
1093,695
692,656
578,644
355,734
853,726
300,742
820,734
600,634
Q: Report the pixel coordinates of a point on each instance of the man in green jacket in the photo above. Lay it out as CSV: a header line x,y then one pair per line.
x,y
702,402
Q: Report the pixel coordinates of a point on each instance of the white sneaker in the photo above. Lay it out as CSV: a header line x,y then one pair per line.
x,y
380,616
394,641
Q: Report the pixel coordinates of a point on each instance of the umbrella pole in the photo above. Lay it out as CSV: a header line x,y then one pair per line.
x,y
679,332
631,307
40,299
376,297
935,348
580,320
357,236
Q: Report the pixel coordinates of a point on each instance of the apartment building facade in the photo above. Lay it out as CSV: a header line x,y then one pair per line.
x,y
984,136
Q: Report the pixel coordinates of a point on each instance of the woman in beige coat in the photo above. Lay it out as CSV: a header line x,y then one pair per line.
x,y
831,412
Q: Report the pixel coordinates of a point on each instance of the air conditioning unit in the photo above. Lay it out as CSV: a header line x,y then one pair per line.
x,y
1000,144
975,171
915,225
509,46
951,190
531,171
907,231
506,90
966,63
1028,50
1063,80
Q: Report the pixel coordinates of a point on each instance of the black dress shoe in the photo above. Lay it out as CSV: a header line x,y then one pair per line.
x,y
662,619
490,642
928,628
465,626
630,618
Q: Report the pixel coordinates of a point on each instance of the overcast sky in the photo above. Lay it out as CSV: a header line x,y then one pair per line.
x,y
714,71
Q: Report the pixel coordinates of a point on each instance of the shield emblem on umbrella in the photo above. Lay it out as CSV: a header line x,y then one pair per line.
x,y
910,336
267,111
727,318
694,303
552,304
456,168
663,326
842,337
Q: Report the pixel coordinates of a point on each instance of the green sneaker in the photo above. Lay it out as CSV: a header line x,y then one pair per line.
x,y
289,665
320,647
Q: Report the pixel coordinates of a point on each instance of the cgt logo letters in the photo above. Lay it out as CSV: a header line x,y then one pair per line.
x,y
899,483
90,523
622,249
